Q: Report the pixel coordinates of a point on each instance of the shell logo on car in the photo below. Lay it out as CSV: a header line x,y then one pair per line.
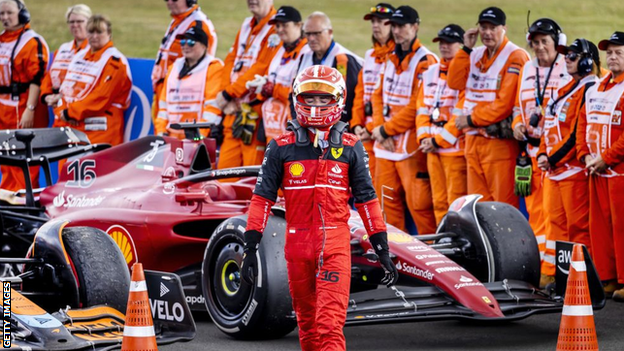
x,y
122,238
296,169
398,238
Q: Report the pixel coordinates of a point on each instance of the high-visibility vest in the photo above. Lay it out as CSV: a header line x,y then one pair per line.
x,y
371,71
397,91
82,76
337,49
249,46
275,113
528,91
556,113
604,122
62,59
481,87
185,97
165,56
439,103
6,49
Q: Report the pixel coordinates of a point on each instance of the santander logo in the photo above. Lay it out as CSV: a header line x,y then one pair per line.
x,y
59,199
465,279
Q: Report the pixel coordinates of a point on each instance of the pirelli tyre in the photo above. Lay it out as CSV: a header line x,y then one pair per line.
x,y
261,311
513,245
501,242
100,267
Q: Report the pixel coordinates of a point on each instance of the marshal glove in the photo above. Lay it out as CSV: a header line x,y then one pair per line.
x,y
379,242
245,124
523,175
216,132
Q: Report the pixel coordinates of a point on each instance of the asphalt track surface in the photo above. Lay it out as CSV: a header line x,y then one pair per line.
x,y
534,333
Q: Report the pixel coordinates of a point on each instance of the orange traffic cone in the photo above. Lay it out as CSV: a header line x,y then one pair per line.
x,y
577,330
139,328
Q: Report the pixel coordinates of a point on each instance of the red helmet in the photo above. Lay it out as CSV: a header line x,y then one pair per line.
x,y
319,80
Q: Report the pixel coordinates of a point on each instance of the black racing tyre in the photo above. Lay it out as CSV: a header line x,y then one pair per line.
x,y
262,311
100,267
511,242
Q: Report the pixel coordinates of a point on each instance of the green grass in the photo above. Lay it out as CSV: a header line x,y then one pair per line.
x,y
138,25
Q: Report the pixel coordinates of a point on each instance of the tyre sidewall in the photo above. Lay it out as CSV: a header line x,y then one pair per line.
x,y
229,231
512,242
271,315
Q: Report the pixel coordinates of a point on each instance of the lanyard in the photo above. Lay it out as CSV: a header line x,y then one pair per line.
x,y
439,89
251,37
539,96
553,106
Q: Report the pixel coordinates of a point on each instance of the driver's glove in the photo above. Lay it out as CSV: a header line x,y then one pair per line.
x,y
379,242
249,267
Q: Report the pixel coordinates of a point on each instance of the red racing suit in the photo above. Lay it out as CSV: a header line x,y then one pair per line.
x,y
317,184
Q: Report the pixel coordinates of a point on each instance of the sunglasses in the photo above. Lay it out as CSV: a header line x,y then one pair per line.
x,y
381,9
314,34
171,0
543,27
449,33
572,56
189,42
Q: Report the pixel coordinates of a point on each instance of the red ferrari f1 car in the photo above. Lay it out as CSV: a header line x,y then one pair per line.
x,y
165,205
66,287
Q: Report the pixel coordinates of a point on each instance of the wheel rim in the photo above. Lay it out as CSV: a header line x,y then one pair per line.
x,y
230,297
230,277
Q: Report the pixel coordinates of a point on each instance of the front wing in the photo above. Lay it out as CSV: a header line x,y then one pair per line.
x,y
100,327
517,300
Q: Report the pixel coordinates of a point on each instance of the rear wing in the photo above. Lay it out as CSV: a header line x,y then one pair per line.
x,y
40,147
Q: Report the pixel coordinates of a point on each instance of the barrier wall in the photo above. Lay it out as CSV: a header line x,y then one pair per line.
x,y
138,116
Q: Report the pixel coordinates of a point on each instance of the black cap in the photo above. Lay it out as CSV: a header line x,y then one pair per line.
x,y
617,38
450,34
577,46
404,15
493,15
286,14
544,26
195,33
381,10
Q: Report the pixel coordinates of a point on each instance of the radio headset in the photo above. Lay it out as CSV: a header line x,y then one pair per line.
x,y
560,37
586,62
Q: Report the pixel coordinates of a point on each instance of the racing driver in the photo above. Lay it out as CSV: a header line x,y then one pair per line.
x,y
318,165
